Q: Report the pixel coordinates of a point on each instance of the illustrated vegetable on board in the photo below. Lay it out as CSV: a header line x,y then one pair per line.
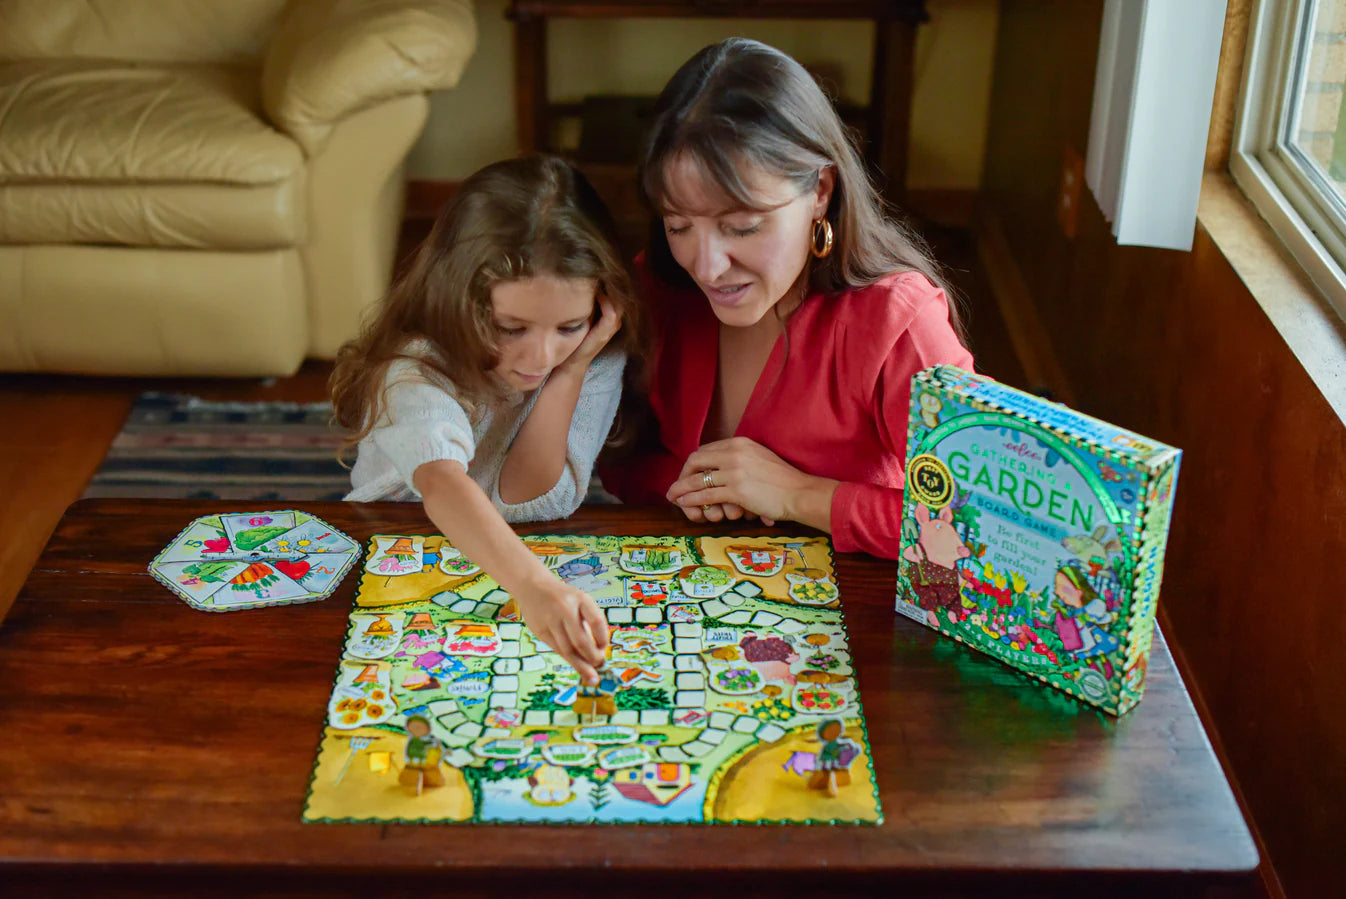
x,y
256,577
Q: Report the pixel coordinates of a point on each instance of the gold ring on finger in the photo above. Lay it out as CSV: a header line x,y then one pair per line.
x,y
708,478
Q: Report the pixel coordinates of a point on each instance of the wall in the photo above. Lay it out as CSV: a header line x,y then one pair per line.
x,y
1173,345
474,124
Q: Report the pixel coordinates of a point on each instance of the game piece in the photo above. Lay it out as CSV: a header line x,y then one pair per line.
x,y
423,754
247,560
833,768
701,700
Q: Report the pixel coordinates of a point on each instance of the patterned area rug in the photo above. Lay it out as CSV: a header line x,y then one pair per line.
x,y
185,447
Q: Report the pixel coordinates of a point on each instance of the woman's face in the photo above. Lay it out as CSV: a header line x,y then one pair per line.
x,y
744,260
539,321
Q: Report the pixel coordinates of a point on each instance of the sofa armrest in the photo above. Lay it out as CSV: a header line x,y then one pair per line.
x,y
330,58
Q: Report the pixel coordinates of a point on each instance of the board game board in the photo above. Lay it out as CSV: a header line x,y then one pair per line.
x,y
246,560
729,695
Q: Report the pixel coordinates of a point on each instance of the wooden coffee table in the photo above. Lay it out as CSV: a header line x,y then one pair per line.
x,y
145,746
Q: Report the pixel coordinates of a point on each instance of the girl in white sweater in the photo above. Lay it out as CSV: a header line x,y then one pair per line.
x,y
489,378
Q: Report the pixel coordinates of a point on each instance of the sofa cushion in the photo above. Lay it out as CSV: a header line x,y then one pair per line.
x,y
89,121
176,30
197,216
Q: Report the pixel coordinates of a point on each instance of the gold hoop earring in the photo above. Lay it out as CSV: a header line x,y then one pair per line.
x,y
824,228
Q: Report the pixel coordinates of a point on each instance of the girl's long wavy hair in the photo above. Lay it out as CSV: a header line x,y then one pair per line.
x,y
740,103
510,221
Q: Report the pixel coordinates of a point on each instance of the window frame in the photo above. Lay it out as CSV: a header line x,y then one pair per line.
x,y
1302,209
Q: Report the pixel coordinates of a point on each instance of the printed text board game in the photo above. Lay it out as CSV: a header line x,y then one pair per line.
x,y
1035,533
729,694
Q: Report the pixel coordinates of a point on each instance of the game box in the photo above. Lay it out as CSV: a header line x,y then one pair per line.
x,y
1034,533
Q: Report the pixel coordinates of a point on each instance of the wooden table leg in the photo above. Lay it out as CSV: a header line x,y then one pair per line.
x,y
530,83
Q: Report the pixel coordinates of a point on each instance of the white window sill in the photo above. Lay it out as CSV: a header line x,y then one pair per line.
x,y
1311,328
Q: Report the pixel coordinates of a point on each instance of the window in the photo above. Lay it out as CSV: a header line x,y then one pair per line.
x,y
1289,153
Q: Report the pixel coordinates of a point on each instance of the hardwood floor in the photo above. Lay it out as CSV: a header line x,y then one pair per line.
x,y
58,428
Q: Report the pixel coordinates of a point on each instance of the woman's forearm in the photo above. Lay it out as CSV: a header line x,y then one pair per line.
x,y
537,457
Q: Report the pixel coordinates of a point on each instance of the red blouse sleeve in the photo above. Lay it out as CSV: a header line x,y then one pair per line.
x,y
868,517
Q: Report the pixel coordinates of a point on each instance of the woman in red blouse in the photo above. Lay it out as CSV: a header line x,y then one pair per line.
x,y
790,311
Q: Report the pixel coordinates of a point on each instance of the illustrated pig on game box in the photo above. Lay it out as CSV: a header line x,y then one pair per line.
x,y
1034,533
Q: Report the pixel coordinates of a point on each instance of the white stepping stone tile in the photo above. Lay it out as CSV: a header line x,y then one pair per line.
x,y
470,729
497,732
504,701
689,699
626,716
733,599
713,608
460,758
509,649
649,615
532,663
696,748
690,680
510,630
686,645
687,663
565,718
506,666
740,617
463,606
790,627
721,720
654,718
536,717
485,610
448,722
713,736
505,683
673,754
765,618
770,733
621,616
688,630
746,724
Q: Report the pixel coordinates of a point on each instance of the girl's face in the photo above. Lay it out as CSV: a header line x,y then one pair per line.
x,y
744,260
539,321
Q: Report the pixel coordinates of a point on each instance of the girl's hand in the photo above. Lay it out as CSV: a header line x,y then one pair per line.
x,y
600,332
753,478
569,621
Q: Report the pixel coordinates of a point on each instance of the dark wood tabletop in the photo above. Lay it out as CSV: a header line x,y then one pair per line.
x,y
147,745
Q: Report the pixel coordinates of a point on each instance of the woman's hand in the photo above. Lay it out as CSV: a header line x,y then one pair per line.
x,y
750,479
569,621
600,332
717,512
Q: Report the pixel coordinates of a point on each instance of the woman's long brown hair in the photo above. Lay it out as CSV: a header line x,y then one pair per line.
x,y
512,220
742,102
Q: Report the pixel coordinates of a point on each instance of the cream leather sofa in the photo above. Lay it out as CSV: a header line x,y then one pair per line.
x,y
206,187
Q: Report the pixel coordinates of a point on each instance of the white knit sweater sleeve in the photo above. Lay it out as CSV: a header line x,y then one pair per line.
x,y
594,412
422,422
